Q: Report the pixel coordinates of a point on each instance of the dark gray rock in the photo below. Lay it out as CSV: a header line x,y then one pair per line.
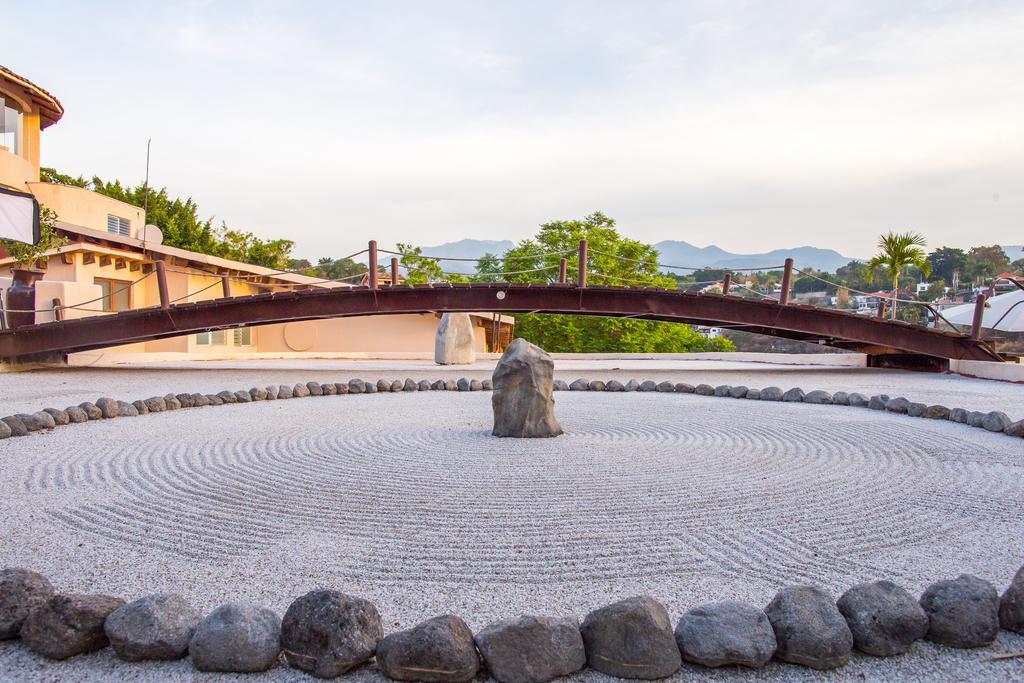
x,y
809,628
31,422
897,405
91,410
356,386
958,415
532,649
156,404
185,400
410,385
1015,429
915,409
936,412
273,390
242,397
684,388
202,400
44,420
172,402
15,425
878,401
648,385
314,389
596,385
341,388
975,418
395,386
155,627
127,409
487,384
884,619
962,612
437,386
258,394
857,400
724,633
328,389
227,396
302,391
631,385
1011,605
21,591
384,386
818,398
215,400
369,388
68,625
666,387
60,417
996,421
108,407
476,385
771,394
439,649
141,407
463,384
614,385
631,638
754,394
723,390
841,398
794,395
423,385
76,415
284,392
451,385
580,385
522,402
326,633
236,638
702,390
5,430
739,391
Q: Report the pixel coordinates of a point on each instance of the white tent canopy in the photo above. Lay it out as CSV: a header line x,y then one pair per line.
x,y
1003,312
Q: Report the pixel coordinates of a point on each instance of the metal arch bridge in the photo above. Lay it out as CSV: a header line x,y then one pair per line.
x,y
886,342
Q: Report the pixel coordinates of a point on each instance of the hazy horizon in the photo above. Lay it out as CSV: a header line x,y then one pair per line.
x,y
748,126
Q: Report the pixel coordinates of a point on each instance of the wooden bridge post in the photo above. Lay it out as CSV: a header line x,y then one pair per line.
x,y
582,279
787,275
394,271
979,315
373,264
562,265
881,308
726,283
225,285
161,283
58,310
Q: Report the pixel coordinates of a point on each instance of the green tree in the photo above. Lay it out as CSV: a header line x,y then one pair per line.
x,y
985,262
947,263
896,251
420,269
337,269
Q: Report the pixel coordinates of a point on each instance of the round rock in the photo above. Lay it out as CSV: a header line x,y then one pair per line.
x,y
794,395
68,625
809,628
326,633
724,633
76,415
15,425
962,612
60,417
154,627
439,649
532,649
631,638
236,638
771,394
1011,605
648,385
21,591
884,619
818,397
996,421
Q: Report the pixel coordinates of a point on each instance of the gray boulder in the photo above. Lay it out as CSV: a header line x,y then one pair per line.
x,y
439,649
771,394
21,591
996,421
702,390
841,398
423,385
915,409
476,385
31,422
532,649
68,625
91,410
236,638
754,394
326,633
410,385
227,396
302,391
242,397
897,405
155,404
818,398
962,612
614,385
975,418
15,425
884,619
215,400
314,388
451,385
1015,429
684,388
172,402
369,388
522,402
44,420
560,385
631,385
284,392
155,627
726,633
258,394
878,401
488,385
201,400
453,343
596,385
356,386
958,415
665,387
936,412
273,389
648,385
739,391
108,407
76,415
140,407
5,430
395,386
723,390
60,417
809,628
1011,605
857,400
127,409
579,385
463,384
437,385
631,638
185,400
794,395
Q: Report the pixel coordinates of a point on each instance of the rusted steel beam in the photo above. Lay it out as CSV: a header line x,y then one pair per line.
x,y
794,321
581,280
394,271
979,316
562,265
373,264
726,283
787,276
161,284
225,286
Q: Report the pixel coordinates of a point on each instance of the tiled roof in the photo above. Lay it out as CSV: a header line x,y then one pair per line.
x,y
50,108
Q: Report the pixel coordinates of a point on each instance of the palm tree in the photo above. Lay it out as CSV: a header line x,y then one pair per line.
x,y
896,251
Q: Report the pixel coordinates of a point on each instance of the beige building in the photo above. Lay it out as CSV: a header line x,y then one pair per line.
x,y
108,266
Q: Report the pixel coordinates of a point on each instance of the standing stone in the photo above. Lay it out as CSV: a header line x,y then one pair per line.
x,y
439,649
884,619
631,638
996,421
453,344
154,627
68,625
522,402
809,628
1011,605
818,398
962,612
21,591
60,417
724,633
771,394
326,633
532,649
236,638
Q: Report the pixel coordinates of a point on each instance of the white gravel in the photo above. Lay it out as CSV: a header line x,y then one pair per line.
x,y
406,500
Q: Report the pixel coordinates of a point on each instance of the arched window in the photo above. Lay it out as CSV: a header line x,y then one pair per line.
x,y
10,127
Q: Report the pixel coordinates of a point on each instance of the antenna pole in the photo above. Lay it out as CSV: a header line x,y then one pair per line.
x,y
145,195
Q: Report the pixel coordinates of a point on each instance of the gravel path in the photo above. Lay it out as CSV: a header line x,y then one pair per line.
x,y
406,500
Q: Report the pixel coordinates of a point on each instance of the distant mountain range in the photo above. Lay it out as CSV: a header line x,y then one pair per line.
x,y
671,252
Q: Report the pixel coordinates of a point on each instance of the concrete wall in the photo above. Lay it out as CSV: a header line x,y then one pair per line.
x,y
16,172
86,208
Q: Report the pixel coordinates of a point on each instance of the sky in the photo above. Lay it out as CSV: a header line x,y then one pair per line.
x,y
748,125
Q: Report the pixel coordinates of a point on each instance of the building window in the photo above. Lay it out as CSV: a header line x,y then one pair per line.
x,y
243,336
117,294
10,127
118,226
214,338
